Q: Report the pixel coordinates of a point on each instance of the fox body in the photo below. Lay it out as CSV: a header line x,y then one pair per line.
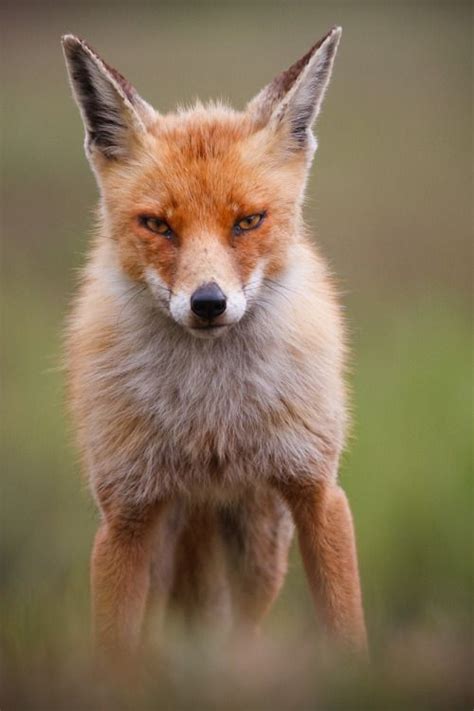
x,y
205,352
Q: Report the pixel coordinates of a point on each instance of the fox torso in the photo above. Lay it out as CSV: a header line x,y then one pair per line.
x,y
205,349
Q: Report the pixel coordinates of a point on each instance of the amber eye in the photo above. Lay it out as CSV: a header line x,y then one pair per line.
x,y
154,224
250,222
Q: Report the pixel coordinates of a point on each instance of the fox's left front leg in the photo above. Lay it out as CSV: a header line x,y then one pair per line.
x,y
326,537
120,578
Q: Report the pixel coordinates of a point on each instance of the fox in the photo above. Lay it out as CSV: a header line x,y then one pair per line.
x,y
206,359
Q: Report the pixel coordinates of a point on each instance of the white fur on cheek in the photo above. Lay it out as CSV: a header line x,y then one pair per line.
x,y
236,305
180,307
158,287
255,282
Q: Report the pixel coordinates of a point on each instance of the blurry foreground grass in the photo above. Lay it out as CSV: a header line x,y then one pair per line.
x,y
407,473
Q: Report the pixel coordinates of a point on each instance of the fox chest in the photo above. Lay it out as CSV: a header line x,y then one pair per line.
x,y
195,425
216,416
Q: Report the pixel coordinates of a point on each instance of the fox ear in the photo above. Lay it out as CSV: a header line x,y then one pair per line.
x,y
112,111
293,99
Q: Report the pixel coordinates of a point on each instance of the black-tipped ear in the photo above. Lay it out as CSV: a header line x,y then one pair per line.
x,y
112,111
295,96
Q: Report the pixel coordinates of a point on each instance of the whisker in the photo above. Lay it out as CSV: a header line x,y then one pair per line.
x,y
165,289
279,285
279,292
131,299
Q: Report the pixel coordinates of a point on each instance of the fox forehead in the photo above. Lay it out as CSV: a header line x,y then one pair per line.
x,y
203,131
203,166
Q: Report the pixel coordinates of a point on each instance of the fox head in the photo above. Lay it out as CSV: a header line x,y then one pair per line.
x,y
203,205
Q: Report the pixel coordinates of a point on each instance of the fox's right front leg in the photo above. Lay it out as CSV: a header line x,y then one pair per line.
x,y
120,578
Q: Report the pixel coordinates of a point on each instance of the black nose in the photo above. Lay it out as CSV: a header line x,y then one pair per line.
x,y
208,301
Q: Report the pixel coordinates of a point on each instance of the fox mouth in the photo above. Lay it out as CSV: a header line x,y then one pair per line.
x,y
210,330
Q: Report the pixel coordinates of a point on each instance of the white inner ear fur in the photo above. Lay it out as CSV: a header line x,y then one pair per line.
x,y
118,115
298,108
303,102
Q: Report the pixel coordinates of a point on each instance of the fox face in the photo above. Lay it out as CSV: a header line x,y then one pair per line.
x,y
202,205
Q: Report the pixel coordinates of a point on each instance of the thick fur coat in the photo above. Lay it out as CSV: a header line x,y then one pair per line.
x,y
219,430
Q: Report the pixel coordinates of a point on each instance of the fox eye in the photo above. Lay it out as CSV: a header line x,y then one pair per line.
x,y
154,224
249,222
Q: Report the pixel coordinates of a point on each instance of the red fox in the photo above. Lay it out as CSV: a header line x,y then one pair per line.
x,y
205,353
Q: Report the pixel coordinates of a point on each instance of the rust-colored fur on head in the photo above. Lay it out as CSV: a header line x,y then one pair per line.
x,y
206,356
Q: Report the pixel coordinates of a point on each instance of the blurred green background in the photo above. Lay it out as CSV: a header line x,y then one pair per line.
x,y
390,203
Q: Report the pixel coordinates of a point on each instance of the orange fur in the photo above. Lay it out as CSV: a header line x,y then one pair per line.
x,y
200,439
326,536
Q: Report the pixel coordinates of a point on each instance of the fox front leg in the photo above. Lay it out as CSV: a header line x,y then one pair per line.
x,y
327,542
120,579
